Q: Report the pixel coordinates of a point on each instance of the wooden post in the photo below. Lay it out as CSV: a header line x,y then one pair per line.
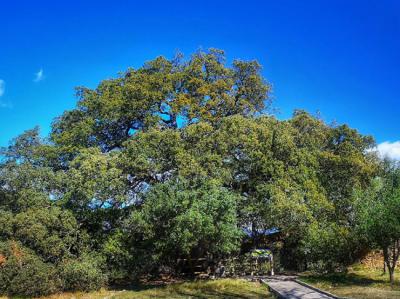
x,y
271,261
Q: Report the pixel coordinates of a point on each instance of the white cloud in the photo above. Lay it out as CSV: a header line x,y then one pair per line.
x,y
39,76
4,104
2,87
390,150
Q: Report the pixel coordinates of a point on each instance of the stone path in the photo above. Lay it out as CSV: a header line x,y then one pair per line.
x,y
290,289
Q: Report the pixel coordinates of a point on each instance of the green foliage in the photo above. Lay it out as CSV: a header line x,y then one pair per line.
x,y
157,94
37,236
118,259
328,247
378,215
35,221
177,220
23,273
52,232
174,160
83,274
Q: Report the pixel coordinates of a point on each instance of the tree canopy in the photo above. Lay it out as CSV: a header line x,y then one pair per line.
x,y
379,215
174,160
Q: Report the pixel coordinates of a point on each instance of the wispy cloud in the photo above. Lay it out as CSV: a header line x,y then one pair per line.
x,y
389,150
4,104
39,76
2,87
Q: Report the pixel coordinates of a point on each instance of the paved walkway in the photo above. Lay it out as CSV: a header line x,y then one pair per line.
x,y
290,289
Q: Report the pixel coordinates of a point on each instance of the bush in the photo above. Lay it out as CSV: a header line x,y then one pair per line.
x,y
328,247
117,257
180,221
24,273
83,274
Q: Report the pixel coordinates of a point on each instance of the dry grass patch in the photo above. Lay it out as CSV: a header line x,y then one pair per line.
x,y
359,283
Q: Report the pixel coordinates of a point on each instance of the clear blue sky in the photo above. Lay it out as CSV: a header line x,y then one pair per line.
x,y
341,58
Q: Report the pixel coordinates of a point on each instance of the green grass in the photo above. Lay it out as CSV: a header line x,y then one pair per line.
x,y
214,289
358,283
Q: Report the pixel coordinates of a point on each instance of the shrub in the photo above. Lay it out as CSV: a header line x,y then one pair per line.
x,y
328,247
24,273
177,220
82,274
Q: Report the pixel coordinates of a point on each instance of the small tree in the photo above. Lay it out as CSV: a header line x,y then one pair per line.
x,y
379,215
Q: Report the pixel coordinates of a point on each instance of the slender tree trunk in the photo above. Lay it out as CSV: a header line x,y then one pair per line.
x,y
391,275
387,262
391,256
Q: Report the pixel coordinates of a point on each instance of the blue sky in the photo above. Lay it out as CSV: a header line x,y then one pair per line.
x,y
341,58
